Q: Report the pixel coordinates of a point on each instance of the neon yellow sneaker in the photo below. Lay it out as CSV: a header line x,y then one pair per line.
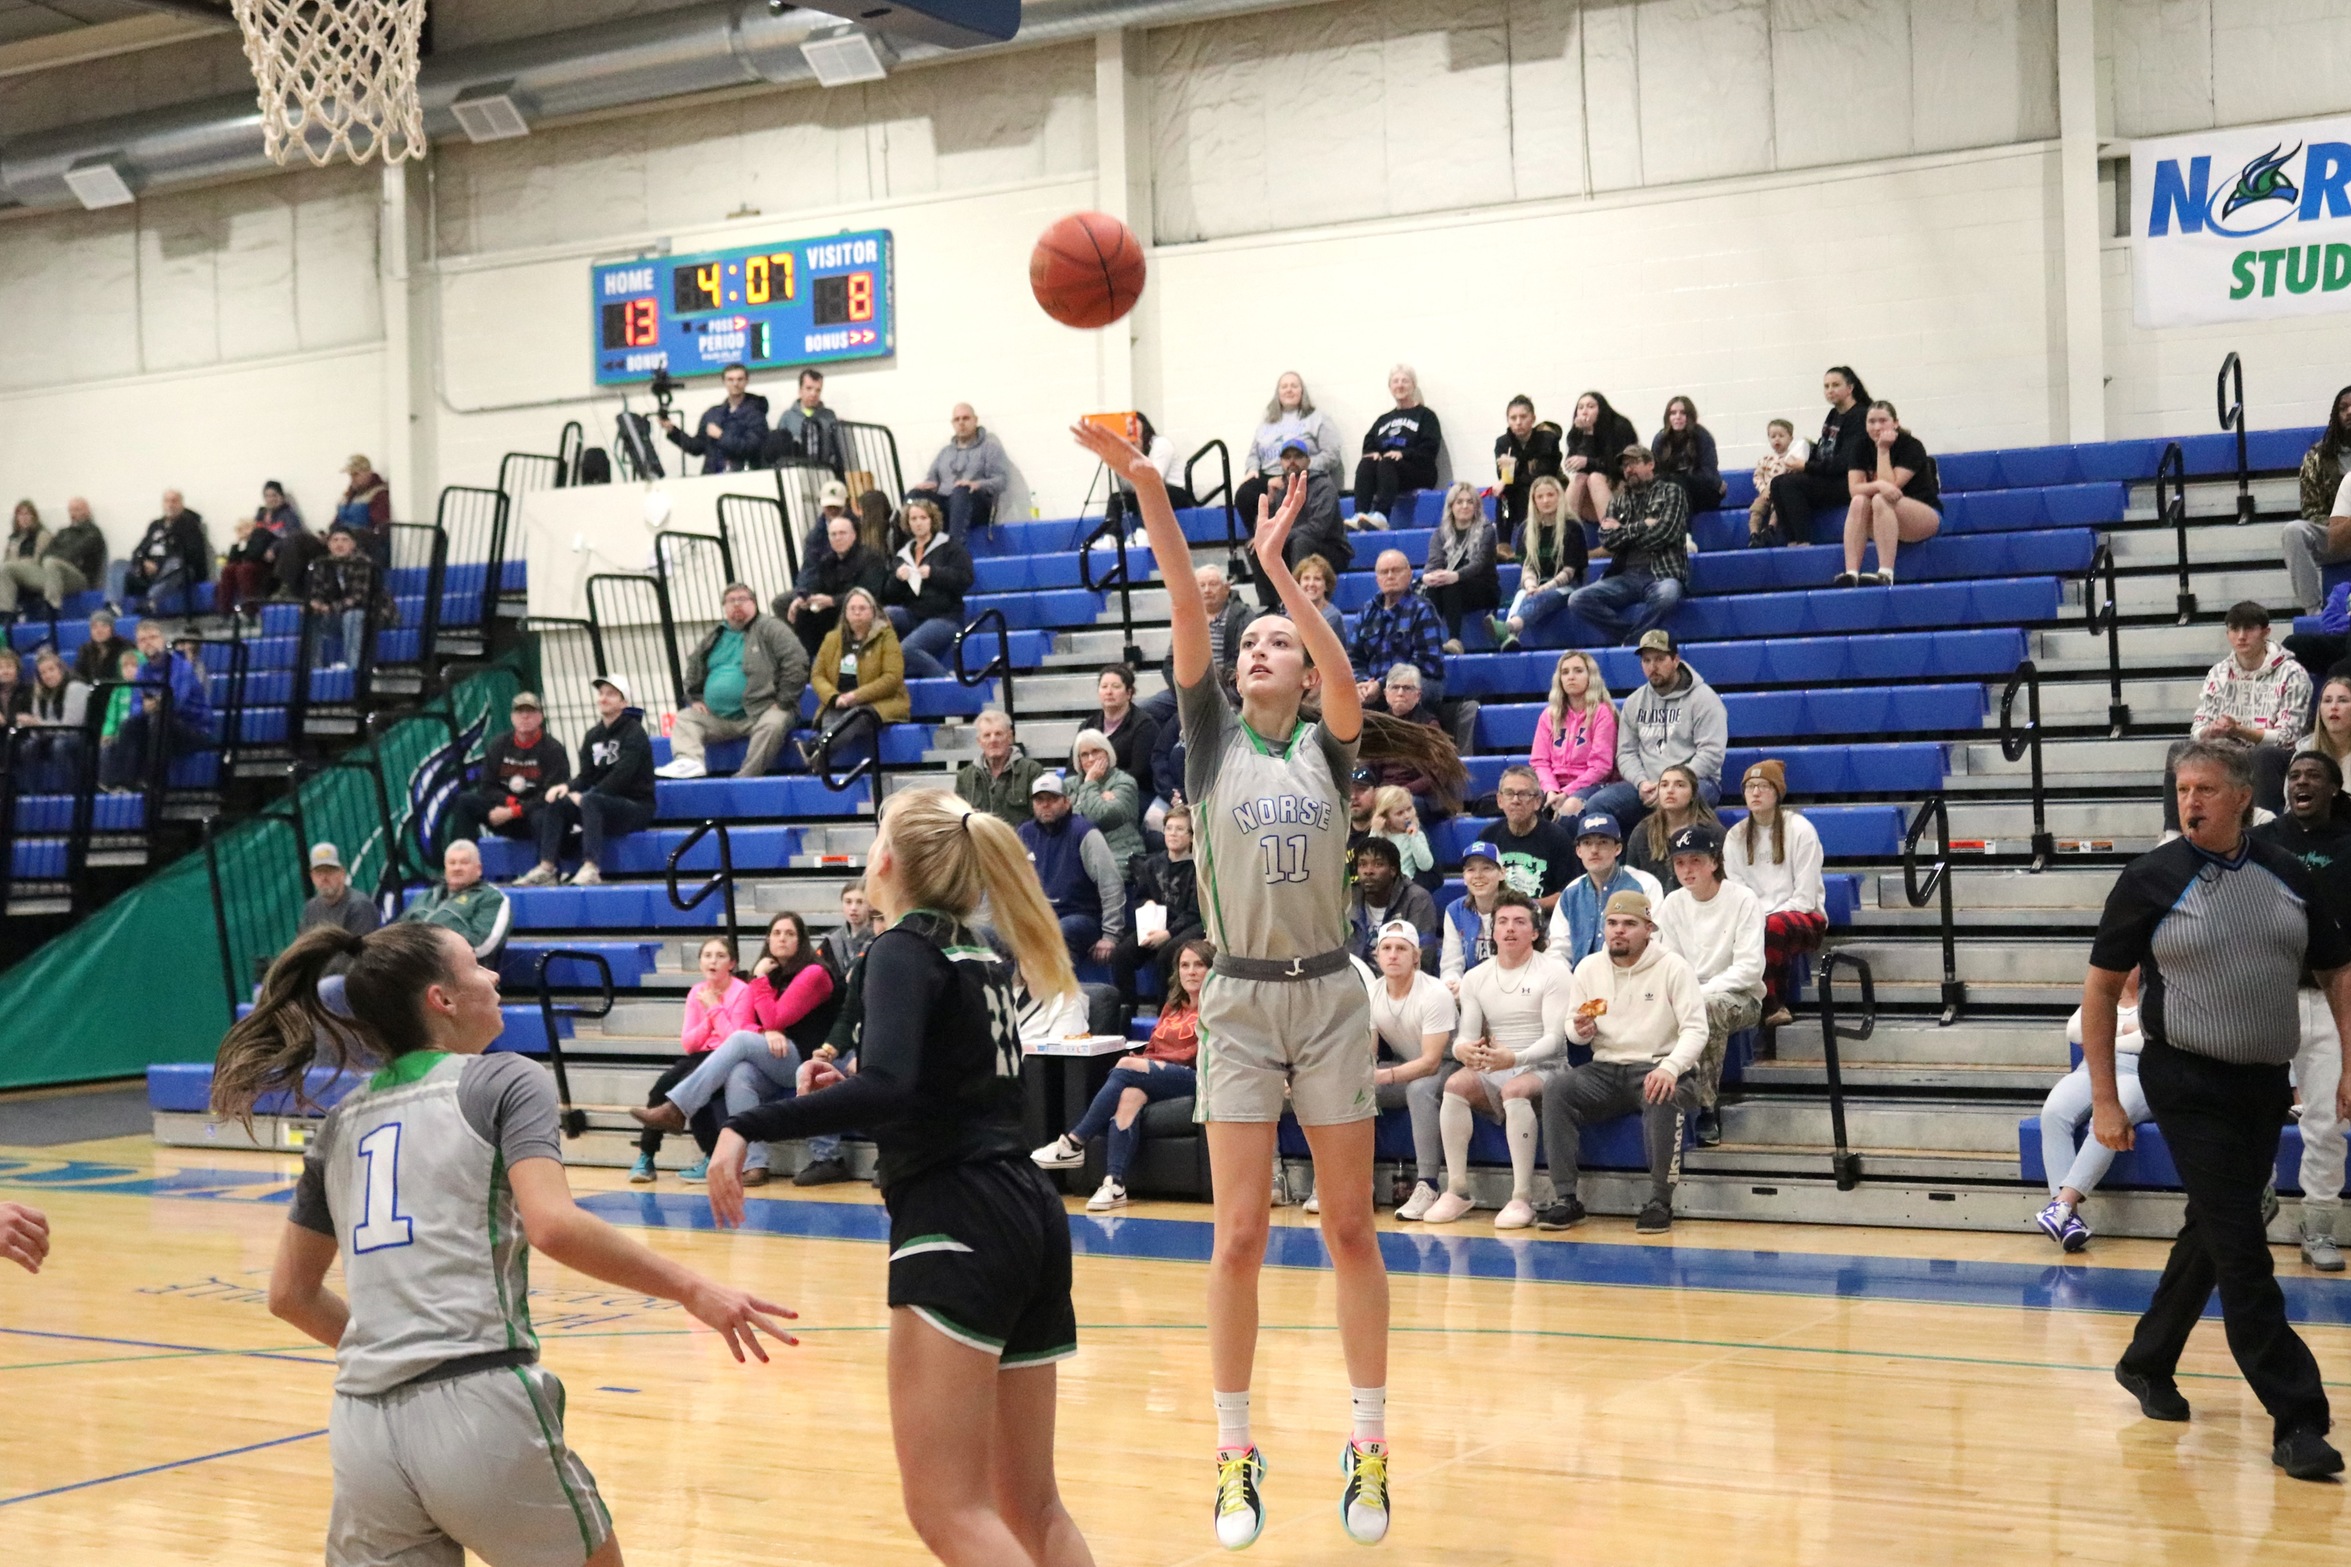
x,y
1240,1511
1363,1506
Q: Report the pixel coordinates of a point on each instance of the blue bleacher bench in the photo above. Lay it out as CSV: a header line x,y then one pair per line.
x,y
2148,1162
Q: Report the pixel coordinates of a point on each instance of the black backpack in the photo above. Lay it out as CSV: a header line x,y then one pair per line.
x,y
594,467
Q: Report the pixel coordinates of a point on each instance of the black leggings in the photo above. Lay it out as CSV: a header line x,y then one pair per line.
x,y
1796,496
1378,481
705,1125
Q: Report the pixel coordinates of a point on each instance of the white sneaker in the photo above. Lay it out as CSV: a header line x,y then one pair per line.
x,y
1240,1510
586,876
1418,1204
1363,1505
1313,1204
1059,1154
1447,1208
1110,1195
682,767
538,876
1516,1214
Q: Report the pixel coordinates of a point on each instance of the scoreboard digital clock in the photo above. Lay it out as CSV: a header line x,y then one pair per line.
x,y
772,306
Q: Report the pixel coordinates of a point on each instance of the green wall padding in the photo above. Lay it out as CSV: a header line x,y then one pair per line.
x,y
139,982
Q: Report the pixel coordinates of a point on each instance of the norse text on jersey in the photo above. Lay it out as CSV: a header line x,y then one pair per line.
x,y
1283,855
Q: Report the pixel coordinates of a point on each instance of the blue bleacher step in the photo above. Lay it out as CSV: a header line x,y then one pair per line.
x,y
754,848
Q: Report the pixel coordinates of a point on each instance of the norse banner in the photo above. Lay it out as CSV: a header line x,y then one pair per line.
x,y
2242,224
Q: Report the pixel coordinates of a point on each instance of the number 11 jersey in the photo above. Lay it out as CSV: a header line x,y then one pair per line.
x,y
1269,822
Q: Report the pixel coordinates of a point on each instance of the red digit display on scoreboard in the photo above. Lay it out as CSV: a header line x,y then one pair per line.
x,y
861,296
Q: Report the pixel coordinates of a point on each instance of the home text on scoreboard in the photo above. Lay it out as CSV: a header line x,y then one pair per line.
x,y
772,306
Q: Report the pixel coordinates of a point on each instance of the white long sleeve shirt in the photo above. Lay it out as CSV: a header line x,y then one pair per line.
x,y
1523,1010
1793,886
1655,1015
1722,938
2127,1039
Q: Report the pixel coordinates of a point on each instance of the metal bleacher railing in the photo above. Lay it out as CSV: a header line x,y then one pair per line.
x,y
2229,394
1936,811
759,546
474,519
1112,531
574,1121
2171,508
1843,1162
2016,743
1235,543
637,639
258,889
720,881
2104,614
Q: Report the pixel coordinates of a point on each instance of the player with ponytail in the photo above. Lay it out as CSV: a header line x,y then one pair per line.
x,y
432,1181
979,1241
1284,1022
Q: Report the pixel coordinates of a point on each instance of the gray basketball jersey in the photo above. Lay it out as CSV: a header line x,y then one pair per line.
x,y
409,1175
1270,830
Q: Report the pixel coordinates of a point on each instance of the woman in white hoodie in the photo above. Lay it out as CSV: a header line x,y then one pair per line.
x,y
2074,1174
1775,854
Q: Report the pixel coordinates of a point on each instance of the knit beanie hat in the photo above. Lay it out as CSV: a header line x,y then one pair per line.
x,y
1772,771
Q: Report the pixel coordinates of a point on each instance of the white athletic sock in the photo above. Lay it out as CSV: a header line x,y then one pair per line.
x,y
1518,1127
1232,1419
1371,1413
1453,1123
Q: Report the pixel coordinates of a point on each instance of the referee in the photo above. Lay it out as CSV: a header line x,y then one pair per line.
x,y
2223,928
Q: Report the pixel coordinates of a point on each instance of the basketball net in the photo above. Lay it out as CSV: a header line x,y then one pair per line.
x,y
336,77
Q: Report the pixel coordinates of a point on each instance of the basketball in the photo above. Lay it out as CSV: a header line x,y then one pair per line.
x,y
1087,270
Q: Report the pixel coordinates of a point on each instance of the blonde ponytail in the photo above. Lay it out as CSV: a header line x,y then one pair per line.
x,y
951,858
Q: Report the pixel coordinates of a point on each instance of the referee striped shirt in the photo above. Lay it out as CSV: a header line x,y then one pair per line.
x,y
2223,944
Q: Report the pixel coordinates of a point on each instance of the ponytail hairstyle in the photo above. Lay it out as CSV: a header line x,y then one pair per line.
x,y
1852,381
1890,413
952,858
1424,748
293,1027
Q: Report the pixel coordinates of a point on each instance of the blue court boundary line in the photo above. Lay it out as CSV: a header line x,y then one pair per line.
x,y
1607,1264
177,1463
185,1349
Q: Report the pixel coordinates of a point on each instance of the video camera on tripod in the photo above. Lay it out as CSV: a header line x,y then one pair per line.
x,y
632,432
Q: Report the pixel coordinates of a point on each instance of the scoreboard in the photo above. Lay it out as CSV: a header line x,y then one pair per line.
x,y
768,306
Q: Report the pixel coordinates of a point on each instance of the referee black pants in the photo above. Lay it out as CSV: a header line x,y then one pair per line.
x,y
2221,1123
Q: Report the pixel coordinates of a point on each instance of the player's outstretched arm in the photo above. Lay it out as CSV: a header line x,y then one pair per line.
x,y
24,1235
298,1295
1342,705
1187,613
558,1227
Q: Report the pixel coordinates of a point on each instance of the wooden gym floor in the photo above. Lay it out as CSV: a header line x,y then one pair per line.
x,y
1744,1394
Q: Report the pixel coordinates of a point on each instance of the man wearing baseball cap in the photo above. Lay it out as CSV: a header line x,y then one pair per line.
x,y
613,793
1674,719
1637,1006
1077,870
335,900
1717,926
1647,536
1319,530
523,764
1599,847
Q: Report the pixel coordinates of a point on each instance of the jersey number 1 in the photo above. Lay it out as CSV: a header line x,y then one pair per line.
x,y
382,1225
1285,858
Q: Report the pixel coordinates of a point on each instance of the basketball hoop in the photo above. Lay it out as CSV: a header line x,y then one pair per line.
x,y
336,76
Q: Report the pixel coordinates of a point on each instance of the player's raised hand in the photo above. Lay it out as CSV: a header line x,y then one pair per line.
x,y
1273,526
24,1236
1118,454
740,1317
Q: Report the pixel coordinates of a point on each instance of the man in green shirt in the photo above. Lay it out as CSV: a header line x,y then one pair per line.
x,y
998,782
744,679
465,903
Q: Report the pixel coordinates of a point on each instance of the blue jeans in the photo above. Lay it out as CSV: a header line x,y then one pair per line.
x,y
1158,1080
749,1074
1622,800
966,510
1531,609
342,634
926,644
1627,604
1080,932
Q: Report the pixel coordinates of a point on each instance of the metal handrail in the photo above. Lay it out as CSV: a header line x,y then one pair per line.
x,y
2171,509
220,913
2107,617
2015,743
1938,880
1235,544
1000,665
820,756
1843,1162
569,444
574,1122
2230,402
721,881
1120,576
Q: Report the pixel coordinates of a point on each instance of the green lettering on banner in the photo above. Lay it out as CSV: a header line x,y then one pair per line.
x,y
2269,271
2298,279
2338,268
2242,270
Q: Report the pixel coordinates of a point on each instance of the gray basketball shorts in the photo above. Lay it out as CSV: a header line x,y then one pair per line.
x,y
1306,1041
476,1463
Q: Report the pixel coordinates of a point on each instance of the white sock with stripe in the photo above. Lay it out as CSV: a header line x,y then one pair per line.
x,y
1371,1413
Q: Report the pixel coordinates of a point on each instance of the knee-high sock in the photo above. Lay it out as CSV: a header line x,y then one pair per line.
x,y
1453,1120
1518,1125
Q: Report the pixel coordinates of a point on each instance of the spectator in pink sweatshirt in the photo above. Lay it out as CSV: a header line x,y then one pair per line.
x,y
718,1007
1575,741
788,1002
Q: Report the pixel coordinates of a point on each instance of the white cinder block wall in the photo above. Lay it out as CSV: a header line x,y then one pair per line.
x,y
1717,197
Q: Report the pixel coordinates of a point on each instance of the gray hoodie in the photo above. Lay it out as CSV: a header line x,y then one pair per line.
x,y
981,461
1658,729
